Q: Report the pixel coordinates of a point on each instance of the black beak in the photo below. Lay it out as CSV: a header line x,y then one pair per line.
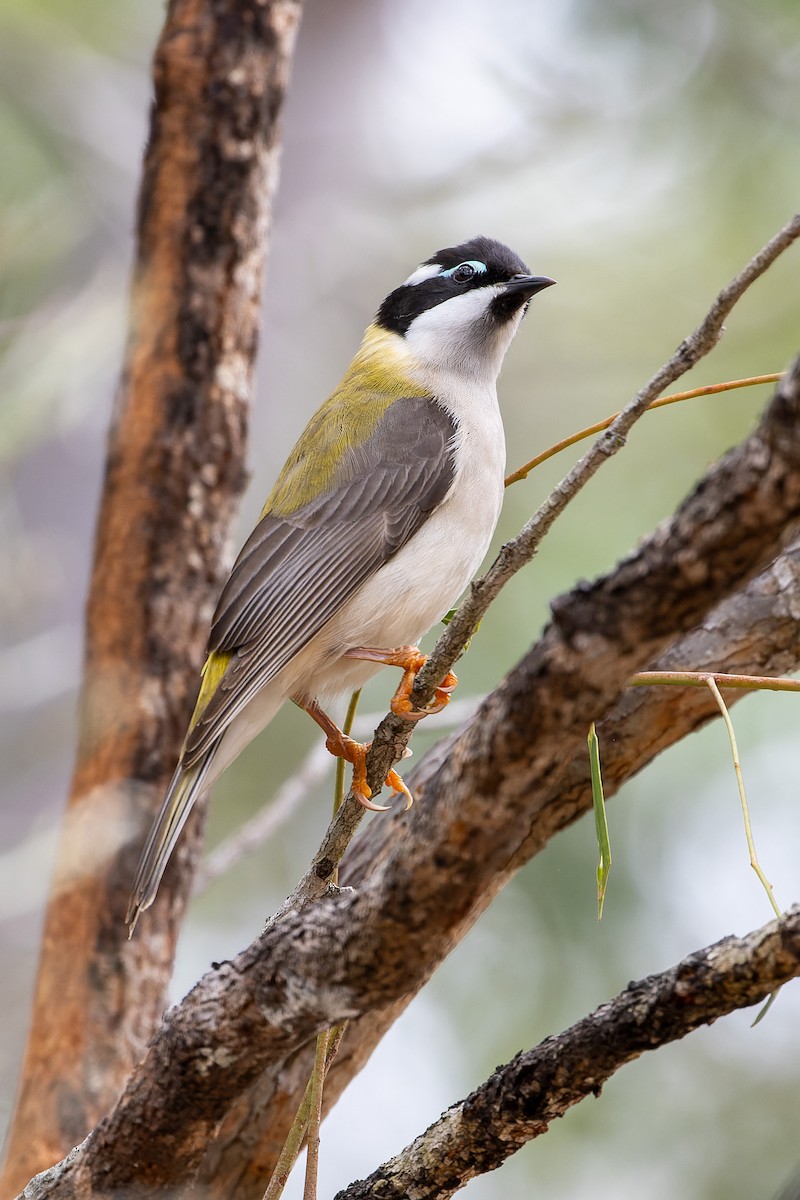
x,y
516,293
527,285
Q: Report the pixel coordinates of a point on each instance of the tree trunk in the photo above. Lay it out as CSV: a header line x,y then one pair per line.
x,y
175,471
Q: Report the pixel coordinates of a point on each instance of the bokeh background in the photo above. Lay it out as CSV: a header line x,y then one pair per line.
x,y
639,153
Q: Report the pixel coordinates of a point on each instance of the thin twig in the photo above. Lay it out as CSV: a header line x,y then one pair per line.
x,y
755,683
315,1116
276,813
711,389
521,549
308,1117
323,1057
291,1148
294,1142
711,683
347,728
393,733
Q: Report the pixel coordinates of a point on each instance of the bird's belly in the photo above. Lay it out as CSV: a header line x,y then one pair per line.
x,y
413,591
396,606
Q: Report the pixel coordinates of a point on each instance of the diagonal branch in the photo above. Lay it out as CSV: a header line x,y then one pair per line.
x,y
393,734
519,772
717,537
518,552
224,1063
519,1100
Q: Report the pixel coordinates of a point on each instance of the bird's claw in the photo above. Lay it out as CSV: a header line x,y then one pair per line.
x,y
400,788
401,701
356,754
411,660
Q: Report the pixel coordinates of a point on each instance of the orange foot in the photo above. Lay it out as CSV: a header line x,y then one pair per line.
x,y
411,661
355,753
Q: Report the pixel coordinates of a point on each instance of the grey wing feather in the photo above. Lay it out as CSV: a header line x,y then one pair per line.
x,y
295,572
185,786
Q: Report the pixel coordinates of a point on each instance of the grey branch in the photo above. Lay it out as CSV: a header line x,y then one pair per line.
x,y
519,1100
393,734
228,1061
518,552
314,769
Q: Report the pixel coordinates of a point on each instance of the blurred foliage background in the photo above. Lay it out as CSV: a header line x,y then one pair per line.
x,y
639,154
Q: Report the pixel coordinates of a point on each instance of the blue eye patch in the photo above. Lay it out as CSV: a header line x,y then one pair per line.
x,y
478,268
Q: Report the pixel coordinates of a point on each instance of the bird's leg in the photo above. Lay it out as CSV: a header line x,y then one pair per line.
x,y
411,661
342,746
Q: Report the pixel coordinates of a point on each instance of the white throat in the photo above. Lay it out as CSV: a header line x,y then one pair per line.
x,y
460,338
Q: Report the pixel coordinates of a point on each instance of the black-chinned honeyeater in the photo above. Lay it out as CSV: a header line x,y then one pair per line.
x,y
378,521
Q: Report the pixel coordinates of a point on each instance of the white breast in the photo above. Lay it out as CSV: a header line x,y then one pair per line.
x,y
413,591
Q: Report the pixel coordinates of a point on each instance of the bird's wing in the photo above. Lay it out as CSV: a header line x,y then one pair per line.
x,y
297,571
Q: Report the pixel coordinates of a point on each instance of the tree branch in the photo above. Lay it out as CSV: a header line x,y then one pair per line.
x,y
518,552
175,470
394,733
519,1100
729,527
225,1064
288,798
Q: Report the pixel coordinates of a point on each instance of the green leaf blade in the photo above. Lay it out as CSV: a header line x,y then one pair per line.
x,y
601,823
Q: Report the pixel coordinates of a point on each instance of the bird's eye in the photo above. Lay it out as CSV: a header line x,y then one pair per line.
x,y
465,271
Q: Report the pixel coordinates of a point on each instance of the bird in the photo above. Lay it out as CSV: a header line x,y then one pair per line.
x,y
379,519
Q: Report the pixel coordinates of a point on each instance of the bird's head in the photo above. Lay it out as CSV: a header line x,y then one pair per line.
x,y
460,309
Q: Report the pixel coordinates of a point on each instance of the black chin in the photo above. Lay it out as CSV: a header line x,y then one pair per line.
x,y
504,307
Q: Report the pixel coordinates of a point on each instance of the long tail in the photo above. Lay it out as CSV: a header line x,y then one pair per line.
x,y
185,786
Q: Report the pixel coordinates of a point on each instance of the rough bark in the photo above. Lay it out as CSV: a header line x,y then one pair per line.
x,y
224,1064
520,1099
519,769
753,632
175,470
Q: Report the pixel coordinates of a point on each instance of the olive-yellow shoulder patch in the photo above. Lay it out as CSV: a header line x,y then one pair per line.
x,y
378,375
